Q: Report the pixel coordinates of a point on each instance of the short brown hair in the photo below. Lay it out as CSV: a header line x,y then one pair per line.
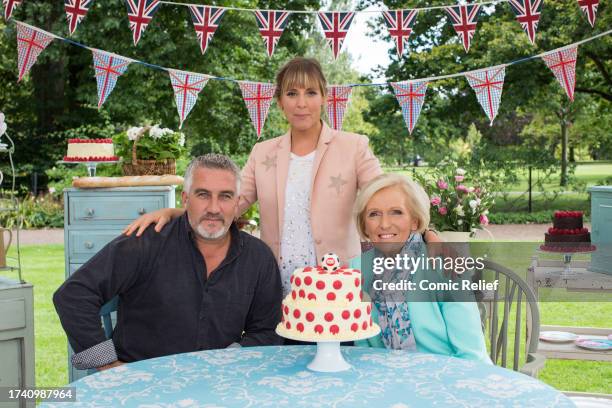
x,y
300,72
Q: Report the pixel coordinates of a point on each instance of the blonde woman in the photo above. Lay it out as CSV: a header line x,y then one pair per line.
x,y
392,212
305,181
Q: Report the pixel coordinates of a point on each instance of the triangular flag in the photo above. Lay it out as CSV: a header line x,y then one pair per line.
x,y
488,85
140,14
76,10
464,19
400,24
271,25
258,97
187,87
30,43
9,7
337,101
108,67
563,65
528,15
335,26
205,21
589,8
410,95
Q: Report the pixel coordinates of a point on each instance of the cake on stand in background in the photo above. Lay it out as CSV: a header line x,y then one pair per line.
x,y
326,306
567,234
91,152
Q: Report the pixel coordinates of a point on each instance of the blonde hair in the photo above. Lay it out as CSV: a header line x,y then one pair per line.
x,y
417,199
302,73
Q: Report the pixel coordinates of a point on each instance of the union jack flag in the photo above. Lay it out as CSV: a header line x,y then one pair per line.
x,y
187,87
258,97
108,68
400,24
76,10
337,101
589,8
528,15
488,85
335,26
563,64
205,21
410,95
271,25
140,14
464,19
30,43
9,6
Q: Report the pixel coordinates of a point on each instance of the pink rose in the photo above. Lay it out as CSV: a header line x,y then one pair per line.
x,y
459,178
461,188
442,210
484,220
436,201
442,185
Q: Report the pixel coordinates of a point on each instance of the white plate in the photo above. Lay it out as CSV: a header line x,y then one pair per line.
x,y
558,336
595,344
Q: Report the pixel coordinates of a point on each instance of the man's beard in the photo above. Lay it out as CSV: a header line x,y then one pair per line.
x,y
202,233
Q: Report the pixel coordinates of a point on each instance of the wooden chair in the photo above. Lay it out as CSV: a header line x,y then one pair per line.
x,y
512,292
105,314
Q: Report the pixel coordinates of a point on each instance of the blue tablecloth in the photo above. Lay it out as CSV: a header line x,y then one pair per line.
x,y
278,377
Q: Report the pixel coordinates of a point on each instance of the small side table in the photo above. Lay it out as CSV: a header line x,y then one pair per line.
x,y
548,274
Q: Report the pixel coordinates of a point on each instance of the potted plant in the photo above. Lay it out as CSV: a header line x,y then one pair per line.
x,y
457,208
149,150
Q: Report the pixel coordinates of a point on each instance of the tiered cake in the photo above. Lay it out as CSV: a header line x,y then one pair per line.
x,y
567,232
326,304
83,150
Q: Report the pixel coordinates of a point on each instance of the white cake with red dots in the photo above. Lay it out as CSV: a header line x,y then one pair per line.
x,y
326,304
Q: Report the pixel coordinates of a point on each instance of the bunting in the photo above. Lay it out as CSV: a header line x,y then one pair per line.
x,y
589,8
464,19
335,27
205,21
563,64
108,67
399,23
76,10
488,85
528,15
410,95
187,87
30,43
140,14
337,100
271,25
258,97
9,7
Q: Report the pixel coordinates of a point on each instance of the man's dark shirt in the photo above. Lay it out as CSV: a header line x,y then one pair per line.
x,y
167,305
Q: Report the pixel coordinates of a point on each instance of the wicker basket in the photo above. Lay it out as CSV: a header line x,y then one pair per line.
x,y
147,167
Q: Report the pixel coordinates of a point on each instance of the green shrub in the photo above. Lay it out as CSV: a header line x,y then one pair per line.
x,y
35,212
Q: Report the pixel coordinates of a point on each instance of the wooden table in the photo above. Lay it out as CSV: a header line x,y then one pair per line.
x,y
546,274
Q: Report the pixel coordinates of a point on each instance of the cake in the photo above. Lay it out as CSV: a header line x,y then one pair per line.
x,y
567,232
326,304
80,150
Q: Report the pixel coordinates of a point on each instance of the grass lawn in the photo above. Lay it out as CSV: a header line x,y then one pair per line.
x,y
43,266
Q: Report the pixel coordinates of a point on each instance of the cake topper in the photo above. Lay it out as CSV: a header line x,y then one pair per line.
x,y
330,262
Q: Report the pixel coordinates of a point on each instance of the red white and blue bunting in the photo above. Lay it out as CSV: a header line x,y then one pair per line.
x,y
589,8
9,7
271,25
205,21
76,10
335,27
464,19
258,96
187,86
528,15
488,85
337,102
30,43
140,14
399,23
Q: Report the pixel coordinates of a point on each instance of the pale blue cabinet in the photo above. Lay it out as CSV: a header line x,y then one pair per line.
x,y
94,217
601,228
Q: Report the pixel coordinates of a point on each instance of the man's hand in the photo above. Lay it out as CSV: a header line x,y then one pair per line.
x,y
111,365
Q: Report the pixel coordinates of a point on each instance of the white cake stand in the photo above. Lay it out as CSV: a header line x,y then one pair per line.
x,y
329,358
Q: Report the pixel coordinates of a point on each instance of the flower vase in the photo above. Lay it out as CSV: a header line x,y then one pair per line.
x,y
455,236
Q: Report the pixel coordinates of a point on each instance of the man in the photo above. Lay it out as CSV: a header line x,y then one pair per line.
x,y
199,284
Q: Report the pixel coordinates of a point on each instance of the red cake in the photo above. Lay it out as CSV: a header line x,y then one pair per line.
x,y
567,232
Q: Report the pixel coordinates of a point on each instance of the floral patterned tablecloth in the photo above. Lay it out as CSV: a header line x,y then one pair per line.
x,y
278,377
